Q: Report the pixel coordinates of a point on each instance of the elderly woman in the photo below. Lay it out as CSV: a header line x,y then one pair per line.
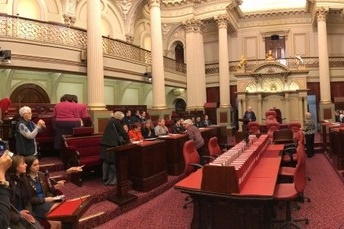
x,y
195,134
309,130
26,132
114,135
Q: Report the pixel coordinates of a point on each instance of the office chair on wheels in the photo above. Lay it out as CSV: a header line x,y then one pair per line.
x,y
289,192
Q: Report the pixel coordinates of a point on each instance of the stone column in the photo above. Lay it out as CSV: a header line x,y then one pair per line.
x,y
259,111
224,109
158,74
287,109
95,67
222,22
326,106
196,86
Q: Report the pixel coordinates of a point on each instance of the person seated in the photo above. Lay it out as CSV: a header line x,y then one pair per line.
x,y
142,116
128,119
206,122
21,215
42,199
136,117
148,129
177,127
135,133
161,129
198,122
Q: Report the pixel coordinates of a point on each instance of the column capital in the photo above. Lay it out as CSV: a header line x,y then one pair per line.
x,y
193,25
152,3
321,14
222,21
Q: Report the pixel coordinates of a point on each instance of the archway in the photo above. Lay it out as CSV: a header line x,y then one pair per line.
x,y
29,93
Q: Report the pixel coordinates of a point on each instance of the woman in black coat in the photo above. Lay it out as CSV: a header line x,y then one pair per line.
x,y
114,135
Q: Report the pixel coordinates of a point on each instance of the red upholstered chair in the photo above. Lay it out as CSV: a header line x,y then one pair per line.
x,y
270,116
191,157
298,135
253,128
272,127
289,192
214,148
192,162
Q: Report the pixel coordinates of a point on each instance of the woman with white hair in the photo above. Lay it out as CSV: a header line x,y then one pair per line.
x,y
195,134
114,135
26,132
309,130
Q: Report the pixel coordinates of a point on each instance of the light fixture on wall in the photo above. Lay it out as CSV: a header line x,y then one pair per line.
x,y
148,73
5,56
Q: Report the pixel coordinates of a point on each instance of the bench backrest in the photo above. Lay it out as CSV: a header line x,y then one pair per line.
x,y
87,146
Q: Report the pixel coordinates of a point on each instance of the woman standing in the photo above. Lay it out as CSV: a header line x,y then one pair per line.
x,y
26,132
114,135
309,130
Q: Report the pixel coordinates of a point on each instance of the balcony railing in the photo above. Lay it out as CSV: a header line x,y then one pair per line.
x,y
56,34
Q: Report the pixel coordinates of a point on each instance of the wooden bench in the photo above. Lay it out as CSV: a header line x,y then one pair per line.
x,y
81,148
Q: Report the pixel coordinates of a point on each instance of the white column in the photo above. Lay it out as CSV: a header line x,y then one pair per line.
x,y
325,88
196,86
158,74
222,21
95,67
287,109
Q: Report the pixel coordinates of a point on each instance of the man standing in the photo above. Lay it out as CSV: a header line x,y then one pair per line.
x,y
249,116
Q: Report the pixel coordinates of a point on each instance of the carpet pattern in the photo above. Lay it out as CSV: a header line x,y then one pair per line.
x,y
162,207
325,210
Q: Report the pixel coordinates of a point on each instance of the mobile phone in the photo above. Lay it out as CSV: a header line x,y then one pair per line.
x,y
3,148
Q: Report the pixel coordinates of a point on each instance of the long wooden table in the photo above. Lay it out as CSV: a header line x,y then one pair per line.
x,y
249,208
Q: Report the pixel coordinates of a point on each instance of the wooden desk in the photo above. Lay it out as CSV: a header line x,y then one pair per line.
x,y
147,165
174,153
336,149
122,162
70,211
252,207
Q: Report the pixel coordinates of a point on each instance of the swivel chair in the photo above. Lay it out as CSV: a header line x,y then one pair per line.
x,y
295,127
272,127
289,192
253,128
270,116
191,157
192,162
214,148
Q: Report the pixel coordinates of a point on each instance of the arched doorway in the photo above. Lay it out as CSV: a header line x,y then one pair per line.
x,y
179,52
29,93
180,105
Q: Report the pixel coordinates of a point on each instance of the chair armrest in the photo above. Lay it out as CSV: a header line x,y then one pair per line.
x,y
196,166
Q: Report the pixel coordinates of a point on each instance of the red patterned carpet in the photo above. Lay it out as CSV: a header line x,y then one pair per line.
x,y
325,210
